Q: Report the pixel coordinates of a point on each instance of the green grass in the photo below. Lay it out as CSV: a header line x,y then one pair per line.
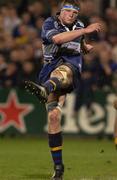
x,y
85,159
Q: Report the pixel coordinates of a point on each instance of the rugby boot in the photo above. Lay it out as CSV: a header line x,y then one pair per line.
x,y
58,172
37,90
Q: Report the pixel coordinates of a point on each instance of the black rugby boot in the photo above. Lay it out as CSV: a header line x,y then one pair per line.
x,y
58,172
37,90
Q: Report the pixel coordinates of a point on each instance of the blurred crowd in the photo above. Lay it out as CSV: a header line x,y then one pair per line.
x,y
21,45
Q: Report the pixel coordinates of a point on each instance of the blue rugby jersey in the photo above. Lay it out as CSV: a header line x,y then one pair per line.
x,y
70,51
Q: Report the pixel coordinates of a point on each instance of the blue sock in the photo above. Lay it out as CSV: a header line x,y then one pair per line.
x,y
55,143
52,85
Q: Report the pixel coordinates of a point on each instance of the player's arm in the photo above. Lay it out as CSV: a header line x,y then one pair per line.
x,y
71,35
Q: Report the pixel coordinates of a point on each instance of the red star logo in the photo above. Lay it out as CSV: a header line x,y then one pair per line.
x,y
12,113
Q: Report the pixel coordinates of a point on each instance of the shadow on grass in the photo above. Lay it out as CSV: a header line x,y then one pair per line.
x,y
38,176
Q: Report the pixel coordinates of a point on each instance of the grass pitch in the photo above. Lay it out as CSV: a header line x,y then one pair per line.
x,y
84,159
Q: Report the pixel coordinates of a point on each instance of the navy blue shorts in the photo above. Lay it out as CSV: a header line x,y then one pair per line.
x,y
47,68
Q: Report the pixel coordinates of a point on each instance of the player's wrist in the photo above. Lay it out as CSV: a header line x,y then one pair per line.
x,y
83,32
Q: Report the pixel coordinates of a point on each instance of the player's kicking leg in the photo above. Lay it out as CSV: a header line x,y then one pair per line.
x,y
61,77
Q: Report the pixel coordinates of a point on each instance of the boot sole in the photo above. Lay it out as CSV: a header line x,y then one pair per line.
x,y
35,89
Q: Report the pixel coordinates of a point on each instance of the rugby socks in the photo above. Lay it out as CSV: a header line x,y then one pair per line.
x,y
55,144
52,85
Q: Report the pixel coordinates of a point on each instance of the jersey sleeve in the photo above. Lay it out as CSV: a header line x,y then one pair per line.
x,y
81,24
49,30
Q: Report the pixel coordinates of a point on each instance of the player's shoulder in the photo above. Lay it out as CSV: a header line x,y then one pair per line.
x,y
49,20
47,24
80,23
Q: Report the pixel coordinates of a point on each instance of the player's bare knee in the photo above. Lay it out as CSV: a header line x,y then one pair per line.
x,y
63,73
56,73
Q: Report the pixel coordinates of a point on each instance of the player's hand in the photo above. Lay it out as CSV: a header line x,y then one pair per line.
x,y
88,47
93,27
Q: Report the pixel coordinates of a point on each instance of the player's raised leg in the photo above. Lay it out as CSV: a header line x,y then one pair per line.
x,y
60,78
